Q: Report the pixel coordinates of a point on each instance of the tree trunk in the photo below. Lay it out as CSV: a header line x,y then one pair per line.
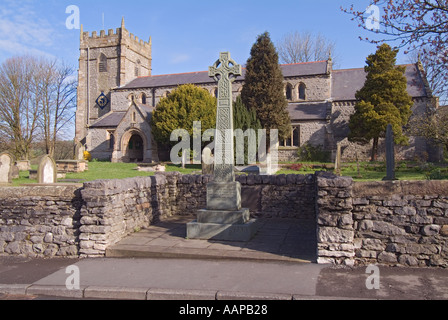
x,y
374,154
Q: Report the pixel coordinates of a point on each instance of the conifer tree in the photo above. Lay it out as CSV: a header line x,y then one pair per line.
x,y
263,90
383,100
183,106
244,119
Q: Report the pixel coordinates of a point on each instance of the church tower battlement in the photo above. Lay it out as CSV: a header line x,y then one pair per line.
x,y
107,61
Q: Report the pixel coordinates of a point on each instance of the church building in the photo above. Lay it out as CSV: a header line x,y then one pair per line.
x,y
117,95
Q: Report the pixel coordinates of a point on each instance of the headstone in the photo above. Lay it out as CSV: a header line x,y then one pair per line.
x,y
390,155
224,218
79,151
23,165
47,172
338,164
207,161
6,168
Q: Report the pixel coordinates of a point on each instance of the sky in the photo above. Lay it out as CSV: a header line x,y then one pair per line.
x,y
187,36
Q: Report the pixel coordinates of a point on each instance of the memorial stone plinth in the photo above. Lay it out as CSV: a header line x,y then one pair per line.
x,y
224,218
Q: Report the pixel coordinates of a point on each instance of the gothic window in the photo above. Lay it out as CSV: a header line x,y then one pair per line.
x,y
111,140
302,91
289,92
143,98
294,139
102,66
215,92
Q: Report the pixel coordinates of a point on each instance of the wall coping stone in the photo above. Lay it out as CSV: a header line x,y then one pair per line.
x,y
387,188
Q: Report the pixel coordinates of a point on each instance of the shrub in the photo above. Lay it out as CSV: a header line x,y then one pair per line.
x,y
308,152
296,167
87,156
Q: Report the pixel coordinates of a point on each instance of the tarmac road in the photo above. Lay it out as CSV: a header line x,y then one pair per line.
x,y
190,279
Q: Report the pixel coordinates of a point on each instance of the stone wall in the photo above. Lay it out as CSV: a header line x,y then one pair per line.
x,y
40,221
358,223
114,209
84,221
394,223
401,223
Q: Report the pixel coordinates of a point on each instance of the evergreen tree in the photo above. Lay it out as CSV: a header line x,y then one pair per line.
x,y
383,100
263,90
183,106
244,119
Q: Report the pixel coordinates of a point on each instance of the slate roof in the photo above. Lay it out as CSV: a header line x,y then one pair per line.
x,y
308,111
346,82
112,119
201,77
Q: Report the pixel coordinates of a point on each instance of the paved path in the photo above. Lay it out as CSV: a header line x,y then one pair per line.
x,y
272,266
172,279
277,240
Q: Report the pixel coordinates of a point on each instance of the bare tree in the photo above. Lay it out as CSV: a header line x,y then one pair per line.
x,y
37,100
411,24
19,108
298,47
57,94
436,73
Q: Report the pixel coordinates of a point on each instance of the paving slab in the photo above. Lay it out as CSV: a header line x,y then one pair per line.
x,y
278,239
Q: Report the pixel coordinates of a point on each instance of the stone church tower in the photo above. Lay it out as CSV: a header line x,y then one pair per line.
x,y
106,62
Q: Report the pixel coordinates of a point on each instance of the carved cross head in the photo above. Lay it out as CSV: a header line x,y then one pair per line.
x,y
224,68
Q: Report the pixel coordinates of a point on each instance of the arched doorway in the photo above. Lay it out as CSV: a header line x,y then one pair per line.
x,y
135,148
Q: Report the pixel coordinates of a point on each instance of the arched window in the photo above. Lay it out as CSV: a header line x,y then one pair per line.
x,y
102,66
143,98
296,137
111,140
302,91
289,92
215,92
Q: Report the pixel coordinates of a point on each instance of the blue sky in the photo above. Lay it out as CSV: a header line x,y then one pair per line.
x,y
187,35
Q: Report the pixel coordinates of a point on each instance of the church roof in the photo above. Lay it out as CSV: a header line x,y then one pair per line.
x,y
309,111
112,119
201,77
345,83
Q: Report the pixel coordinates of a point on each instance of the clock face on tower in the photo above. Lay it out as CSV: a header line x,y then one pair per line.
x,y
102,101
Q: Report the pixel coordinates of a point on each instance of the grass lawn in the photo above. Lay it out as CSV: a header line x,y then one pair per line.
x,y
107,170
368,171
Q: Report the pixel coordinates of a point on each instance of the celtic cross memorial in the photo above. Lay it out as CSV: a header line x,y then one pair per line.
x,y
224,218
224,71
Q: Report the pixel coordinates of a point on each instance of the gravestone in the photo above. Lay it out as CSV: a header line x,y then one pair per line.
x,y
23,165
47,172
207,161
390,155
224,218
6,168
337,165
79,151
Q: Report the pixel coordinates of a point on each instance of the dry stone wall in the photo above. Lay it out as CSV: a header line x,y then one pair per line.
x,y
358,223
401,223
40,221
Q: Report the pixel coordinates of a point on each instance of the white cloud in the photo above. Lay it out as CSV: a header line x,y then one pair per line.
x,y
23,29
12,48
180,58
